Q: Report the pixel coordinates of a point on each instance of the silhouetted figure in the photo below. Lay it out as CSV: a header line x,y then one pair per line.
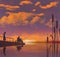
x,y
47,39
19,40
4,38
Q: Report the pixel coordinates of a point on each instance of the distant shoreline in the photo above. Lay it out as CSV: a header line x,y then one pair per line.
x,y
47,42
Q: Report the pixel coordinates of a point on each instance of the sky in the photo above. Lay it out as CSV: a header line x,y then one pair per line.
x,y
30,19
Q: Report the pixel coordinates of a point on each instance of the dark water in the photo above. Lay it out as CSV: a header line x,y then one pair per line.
x,y
31,50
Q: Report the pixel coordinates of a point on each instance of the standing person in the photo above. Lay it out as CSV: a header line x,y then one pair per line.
x,y
4,38
47,39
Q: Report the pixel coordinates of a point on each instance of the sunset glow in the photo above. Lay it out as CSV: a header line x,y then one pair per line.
x,y
29,19
29,41
29,28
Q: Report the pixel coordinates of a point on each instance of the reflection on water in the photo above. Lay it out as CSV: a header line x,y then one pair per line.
x,y
4,50
32,50
19,47
53,50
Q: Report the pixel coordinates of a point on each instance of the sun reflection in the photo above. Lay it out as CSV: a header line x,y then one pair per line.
x,y
29,41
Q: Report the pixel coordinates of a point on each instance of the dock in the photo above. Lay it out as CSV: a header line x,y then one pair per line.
x,y
7,43
4,42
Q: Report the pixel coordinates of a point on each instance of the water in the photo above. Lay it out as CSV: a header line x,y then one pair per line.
x,y
31,50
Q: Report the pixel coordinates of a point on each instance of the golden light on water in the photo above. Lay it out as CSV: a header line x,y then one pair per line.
x,y
29,41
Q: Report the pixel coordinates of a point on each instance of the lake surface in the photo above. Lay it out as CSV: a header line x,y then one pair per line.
x,y
32,50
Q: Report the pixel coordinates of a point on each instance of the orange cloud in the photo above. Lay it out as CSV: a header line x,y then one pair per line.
x,y
37,18
34,20
41,14
9,7
15,18
20,18
52,4
34,10
25,2
37,3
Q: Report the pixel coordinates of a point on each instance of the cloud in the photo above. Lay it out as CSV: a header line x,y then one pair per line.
x,y
34,20
37,3
41,14
20,18
15,18
49,23
9,7
52,4
25,2
34,10
37,18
